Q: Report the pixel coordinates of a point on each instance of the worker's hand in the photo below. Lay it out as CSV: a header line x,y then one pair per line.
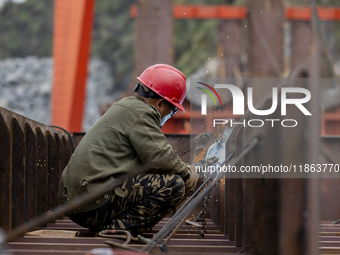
x,y
191,179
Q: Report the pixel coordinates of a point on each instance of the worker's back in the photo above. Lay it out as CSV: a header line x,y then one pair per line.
x,y
105,150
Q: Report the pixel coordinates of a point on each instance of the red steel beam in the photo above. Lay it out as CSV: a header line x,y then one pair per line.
x,y
71,46
240,12
203,12
305,13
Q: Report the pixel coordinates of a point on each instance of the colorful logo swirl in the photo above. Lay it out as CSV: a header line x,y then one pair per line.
x,y
209,93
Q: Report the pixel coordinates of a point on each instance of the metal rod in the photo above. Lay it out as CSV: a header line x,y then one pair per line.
x,y
313,200
178,216
174,221
202,186
185,204
175,229
189,200
68,134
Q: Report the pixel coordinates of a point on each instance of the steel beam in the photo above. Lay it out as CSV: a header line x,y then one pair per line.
x,y
154,35
231,12
292,191
53,180
23,168
71,48
42,170
17,174
5,176
230,48
30,173
313,145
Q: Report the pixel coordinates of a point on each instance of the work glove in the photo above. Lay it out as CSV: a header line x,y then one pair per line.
x,y
190,179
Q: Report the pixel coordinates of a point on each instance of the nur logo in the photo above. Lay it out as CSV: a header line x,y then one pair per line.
x,y
239,103
204,97
238,99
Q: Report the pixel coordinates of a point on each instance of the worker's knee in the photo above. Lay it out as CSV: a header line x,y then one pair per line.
x,y
174,188
174,181
181,187
179,182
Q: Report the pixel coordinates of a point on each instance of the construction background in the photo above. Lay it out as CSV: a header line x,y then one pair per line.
x,y
219,39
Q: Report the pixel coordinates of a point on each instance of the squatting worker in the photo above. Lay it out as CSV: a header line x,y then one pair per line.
x,y
127,136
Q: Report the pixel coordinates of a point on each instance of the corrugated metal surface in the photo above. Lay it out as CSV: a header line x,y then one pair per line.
x,y
185,241
32,157
259,215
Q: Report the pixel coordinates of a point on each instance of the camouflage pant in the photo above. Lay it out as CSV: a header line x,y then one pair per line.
x,y
146,199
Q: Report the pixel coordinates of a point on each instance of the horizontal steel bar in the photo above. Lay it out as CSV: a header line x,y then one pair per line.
x,y
79,240
293,13
85,247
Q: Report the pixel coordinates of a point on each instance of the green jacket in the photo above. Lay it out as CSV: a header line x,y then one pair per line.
x,y
127,136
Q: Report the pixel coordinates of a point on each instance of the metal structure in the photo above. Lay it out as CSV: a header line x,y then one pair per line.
x,y
231,12
72,33
71,49
252,215
262,37
249,215
32,157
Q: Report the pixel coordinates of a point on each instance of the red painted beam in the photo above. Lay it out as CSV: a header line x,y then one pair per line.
x,y
209,11
203,12
305,13
73,21
240,12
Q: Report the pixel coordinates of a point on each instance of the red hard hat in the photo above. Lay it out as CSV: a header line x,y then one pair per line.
x,y
166,81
